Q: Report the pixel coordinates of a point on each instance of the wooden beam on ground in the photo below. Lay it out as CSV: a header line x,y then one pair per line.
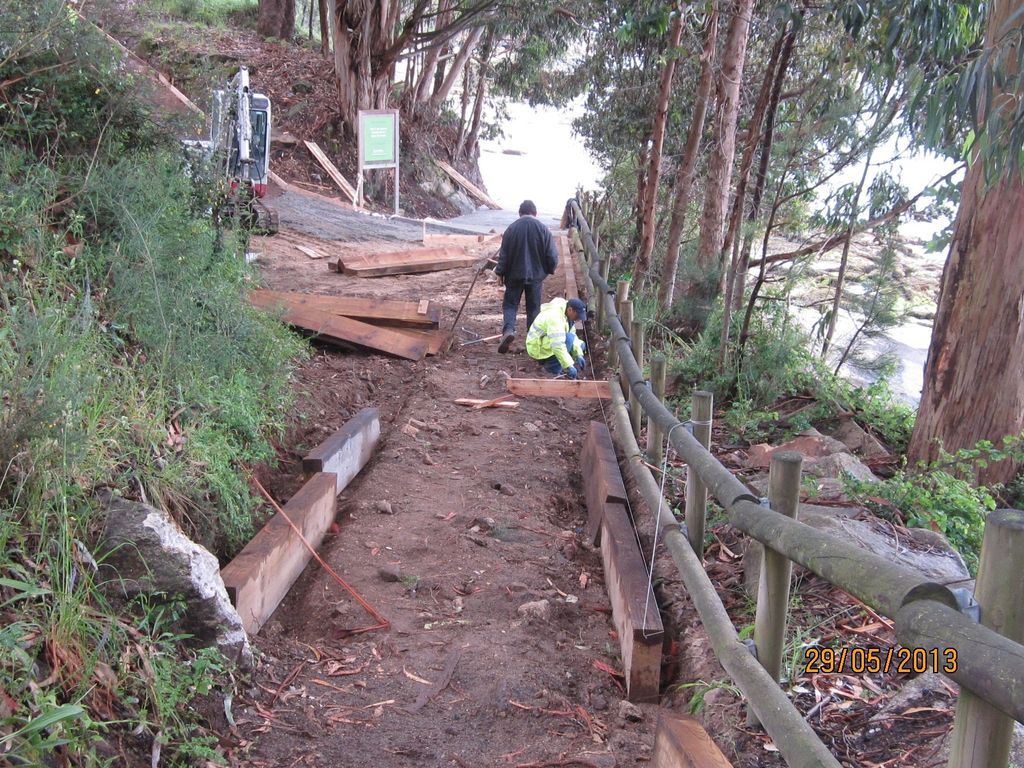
x,y
560,388
331,169
469,186
436,340
464,241
405,262
334,328
634,608
602,480
346,451
474,403
376,311
263,572
682,742
311,252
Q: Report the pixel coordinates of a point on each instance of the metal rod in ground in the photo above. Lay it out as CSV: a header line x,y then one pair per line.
x,y
696,490
981,733
636,334
796,740
655,437
776,569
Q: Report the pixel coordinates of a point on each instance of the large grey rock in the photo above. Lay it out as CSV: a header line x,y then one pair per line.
x,y
918,548
850,434
143,551
838,466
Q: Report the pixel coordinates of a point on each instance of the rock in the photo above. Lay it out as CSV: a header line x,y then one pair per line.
x,y
383,507
390,573
838,466
516,586
301,86
540,609
850,434
143,552
811,444
630,712
918,548
599,703
531,427
483,524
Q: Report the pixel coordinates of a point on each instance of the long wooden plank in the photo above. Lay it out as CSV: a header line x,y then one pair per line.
x,y
560,388
435,339
465,241
332,170
682,742
476,403
376,311
331,328
346,451
602,479
469,186
634,608
311,252
263,572
411,266
391,258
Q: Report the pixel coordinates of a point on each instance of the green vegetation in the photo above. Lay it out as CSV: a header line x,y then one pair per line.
x,y
128,361
212,13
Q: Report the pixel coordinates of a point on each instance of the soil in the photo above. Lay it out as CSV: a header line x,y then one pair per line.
x,y
482,511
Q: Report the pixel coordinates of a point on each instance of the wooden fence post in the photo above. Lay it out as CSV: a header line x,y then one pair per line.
x,y
776,569
981,733
626,317
655,438
606,265
696,491
636,335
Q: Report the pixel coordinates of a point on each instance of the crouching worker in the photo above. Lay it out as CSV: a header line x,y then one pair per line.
x,y
552,341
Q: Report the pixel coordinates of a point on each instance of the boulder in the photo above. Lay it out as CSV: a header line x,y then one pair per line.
x,y
144,552
859,442
838,466
810,443
918,548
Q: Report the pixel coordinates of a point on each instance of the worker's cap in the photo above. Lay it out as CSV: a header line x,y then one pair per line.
x,y
580,307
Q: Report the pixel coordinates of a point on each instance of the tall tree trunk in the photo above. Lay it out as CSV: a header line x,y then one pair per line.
x,y
739,200
706,286
753,140
762,271
456,68
688,166
844,259
276,18
650,197
470,147
425,86
762,170
325,27
973,387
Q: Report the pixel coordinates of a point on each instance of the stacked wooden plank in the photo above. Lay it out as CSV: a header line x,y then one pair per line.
x,y
634,608
403,262
406,329
262,573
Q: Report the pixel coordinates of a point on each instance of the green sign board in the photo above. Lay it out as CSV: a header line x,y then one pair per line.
x,y
377,134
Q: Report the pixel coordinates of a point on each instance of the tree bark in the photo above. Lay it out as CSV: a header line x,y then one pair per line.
x,y
650,196
784,42
276,18
456,68
325,27
688,166
426,81
973,386
706,285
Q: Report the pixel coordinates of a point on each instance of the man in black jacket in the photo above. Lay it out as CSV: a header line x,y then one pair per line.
x,y
528,255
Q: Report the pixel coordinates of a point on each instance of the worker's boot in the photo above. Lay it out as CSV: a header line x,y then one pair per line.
x,y
506,342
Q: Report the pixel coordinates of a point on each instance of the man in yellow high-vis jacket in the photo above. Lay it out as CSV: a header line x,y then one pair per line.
x,y
552,341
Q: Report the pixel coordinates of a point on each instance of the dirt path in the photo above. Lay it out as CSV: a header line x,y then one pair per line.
x,y
447,532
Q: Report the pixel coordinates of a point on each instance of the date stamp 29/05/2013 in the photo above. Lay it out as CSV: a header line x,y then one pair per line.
x,y
857,660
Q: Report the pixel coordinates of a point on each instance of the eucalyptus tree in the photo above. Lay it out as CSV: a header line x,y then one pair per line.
x,y
973,386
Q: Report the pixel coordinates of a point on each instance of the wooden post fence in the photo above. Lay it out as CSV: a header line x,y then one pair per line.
x,y
696,490
655,438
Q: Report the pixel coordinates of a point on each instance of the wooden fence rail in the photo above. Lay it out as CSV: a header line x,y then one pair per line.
x,y
989,665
